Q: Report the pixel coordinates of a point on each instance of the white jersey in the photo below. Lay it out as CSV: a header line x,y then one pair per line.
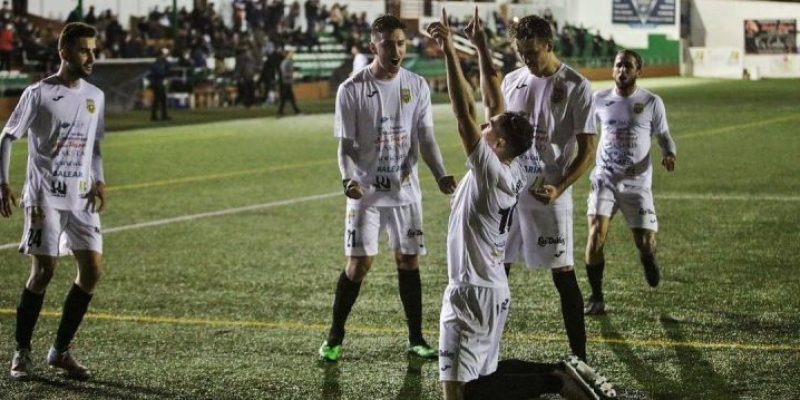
x,y
480,217
560,108
627,125
383,118
62,124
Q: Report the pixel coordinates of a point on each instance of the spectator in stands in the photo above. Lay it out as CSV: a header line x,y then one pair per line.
x,y
548,15
74,15
287,83
244,72
611,47
565,40
7,39
311,8
580,41
597,44
159,71
90,18
269,71
509,60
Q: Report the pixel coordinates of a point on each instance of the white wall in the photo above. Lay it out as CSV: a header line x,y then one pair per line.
x,y
719,23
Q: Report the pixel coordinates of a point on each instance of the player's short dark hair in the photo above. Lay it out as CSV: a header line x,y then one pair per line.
x,y
635,55
517,131
387,24
530,27
74,31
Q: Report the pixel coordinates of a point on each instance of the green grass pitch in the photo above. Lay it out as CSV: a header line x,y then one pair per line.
x,y
234,304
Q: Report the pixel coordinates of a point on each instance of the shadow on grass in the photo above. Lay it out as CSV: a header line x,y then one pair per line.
x,y
331,389
695,370
643,371
412,382
101,389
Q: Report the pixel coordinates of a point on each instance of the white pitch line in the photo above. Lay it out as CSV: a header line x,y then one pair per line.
x,y
228,211
726,197
191,217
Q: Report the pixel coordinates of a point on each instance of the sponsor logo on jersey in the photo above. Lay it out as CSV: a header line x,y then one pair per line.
x,y
638,108
90,106
558,254
57,98
646,211
83,187
610,103
58,188
521,85
559,92
504,305
374,92
550,240
405,95
412,233
445,368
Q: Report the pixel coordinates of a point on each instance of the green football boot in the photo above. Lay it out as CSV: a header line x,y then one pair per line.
x,y
330,353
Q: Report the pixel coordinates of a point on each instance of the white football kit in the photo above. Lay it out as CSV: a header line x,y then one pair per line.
x,y
62,124
560,108
476,300
383,118
623,172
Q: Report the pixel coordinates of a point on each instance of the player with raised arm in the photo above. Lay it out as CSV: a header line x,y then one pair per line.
x,y
476,301
559,102
384,122
628,116
64,191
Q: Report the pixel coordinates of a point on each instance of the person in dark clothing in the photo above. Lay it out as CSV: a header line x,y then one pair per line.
x,y
159,71
244,72
287,83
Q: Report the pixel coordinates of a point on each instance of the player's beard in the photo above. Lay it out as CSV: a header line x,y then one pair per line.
x,y
629,82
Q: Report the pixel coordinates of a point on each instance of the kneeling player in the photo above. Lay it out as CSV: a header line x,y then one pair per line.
x,y
476,301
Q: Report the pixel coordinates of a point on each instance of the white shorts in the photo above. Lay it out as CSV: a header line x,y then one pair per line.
x,y
60,232
470,327
363,225
635,202
541,237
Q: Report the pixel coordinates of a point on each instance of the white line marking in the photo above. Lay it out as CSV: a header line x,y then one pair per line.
x,y
218,213
726,197
228,211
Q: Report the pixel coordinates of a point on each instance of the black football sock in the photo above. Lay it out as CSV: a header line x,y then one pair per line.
x,y
30,304
572,311
75,307
651,268
346,295
595,274
411,296
508,270
515,380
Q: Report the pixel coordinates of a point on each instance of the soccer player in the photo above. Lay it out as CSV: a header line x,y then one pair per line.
x,y
628,117
384,122
559,102
63,194
476,301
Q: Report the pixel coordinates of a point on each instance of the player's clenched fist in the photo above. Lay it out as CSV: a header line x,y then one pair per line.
x,y
352,189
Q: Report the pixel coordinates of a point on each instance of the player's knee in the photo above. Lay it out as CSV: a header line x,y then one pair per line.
x,y
358,267
407,262
646,242
42,271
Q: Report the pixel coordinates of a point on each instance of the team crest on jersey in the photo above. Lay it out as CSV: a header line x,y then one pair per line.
x,y
638,108
405,95
90,106
559,91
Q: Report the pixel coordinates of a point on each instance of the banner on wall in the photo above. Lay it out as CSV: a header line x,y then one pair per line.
x,y
644,12
770,36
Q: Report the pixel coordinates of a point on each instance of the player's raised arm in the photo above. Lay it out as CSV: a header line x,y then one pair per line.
x,y
490,82
460,93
